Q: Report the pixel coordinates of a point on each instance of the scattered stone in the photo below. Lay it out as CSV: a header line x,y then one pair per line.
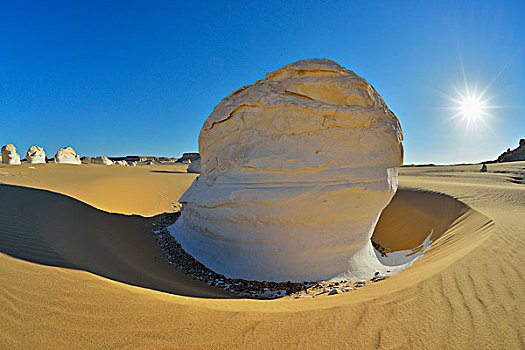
x,y
360,284
382,250
178,257
378,278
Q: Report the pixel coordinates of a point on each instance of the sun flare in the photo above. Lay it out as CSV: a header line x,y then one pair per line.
x,y
472,108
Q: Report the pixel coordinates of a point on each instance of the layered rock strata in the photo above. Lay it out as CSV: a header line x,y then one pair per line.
x,y
296,169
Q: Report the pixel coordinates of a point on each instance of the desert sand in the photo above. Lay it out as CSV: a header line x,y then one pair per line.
x,y
79,268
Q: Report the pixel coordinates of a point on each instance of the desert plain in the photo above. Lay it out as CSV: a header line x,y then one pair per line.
x,y
80,268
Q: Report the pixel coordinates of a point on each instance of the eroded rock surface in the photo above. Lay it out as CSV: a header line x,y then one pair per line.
x,y
36,155
9,155
102,160
516,154
296,169
194,167
67,155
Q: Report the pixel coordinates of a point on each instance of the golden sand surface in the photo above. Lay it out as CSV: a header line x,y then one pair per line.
x,y
78,270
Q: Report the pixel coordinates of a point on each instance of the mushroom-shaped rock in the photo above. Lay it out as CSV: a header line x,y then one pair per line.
x,y
9,155
296,169
102,160
194,167
67,155
35,155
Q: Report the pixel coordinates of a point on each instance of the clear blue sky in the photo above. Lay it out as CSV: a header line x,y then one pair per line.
x,y
127,77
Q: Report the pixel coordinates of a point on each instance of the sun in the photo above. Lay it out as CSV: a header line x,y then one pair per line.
x,y
472,108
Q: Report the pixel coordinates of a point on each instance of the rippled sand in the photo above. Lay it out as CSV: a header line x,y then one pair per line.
x,y
79,268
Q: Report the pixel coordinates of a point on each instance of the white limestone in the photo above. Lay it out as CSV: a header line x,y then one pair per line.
x,y
102,160
296,169
67,155
121,162
9,155
194,167
36,155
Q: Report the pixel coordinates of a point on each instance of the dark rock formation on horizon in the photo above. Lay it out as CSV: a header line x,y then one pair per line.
x,y
189,156
513,155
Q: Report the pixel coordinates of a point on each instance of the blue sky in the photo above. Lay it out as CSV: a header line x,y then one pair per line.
x,y
127,77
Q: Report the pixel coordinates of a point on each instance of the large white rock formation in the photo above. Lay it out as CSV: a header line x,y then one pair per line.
x,y
9,155
35,155
67,156
102,160
296,169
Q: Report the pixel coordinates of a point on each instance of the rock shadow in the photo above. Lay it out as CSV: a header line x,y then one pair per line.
x,y
52,229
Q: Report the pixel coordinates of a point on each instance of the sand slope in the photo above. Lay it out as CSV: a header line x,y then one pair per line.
x,y
466,292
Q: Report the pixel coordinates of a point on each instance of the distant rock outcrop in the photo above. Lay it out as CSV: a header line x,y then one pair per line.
x,y
102,160
67,155
86,160
121,162
35,155
194,167
188,156
513,155
9,155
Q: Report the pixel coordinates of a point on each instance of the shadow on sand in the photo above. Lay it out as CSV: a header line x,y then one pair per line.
x,y
47,228
168,172
52,229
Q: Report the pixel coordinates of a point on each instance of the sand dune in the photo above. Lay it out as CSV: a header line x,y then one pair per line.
x,y
77,275
60,231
